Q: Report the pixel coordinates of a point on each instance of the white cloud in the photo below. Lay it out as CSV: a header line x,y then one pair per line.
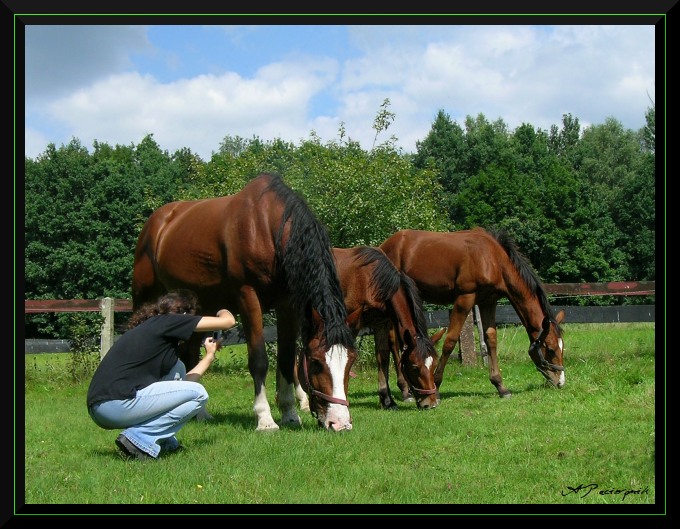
x,y
531,74
198,112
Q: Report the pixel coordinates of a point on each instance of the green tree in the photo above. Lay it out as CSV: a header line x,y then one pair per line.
x,y
633,207
619,169
83,216
444,151
361,196
648,132
562,142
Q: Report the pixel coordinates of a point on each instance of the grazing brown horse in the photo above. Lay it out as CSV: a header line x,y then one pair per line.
x,y
387,298
257,250
480,267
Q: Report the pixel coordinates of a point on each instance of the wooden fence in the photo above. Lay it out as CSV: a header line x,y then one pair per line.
x,y
435,319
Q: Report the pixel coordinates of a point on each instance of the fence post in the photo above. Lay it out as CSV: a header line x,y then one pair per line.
x,y
480,330
107,326
466,343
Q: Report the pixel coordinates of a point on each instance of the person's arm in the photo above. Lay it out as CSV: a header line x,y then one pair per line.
x,y
197,372
223,321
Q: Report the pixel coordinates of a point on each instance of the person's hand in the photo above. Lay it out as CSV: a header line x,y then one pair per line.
x,y
211,345
199,369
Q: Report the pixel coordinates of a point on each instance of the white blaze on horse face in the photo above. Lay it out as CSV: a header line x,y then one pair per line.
x,y
336,359
428,362
562,379
338,416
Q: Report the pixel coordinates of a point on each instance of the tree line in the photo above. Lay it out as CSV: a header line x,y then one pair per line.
x,y
580,202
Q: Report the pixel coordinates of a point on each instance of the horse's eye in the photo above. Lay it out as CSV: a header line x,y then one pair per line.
x,y
315,366
414,369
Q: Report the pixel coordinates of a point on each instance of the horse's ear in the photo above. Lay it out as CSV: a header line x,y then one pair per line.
x,y
317,320
559,317
409,338
437,336
546,324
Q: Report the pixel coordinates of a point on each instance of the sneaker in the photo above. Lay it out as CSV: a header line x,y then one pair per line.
x,y
129,449
170,444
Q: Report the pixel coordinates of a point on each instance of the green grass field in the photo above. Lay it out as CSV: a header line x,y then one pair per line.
x,y
592,444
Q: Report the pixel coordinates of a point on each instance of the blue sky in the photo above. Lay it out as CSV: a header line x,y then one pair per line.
x,y
192,85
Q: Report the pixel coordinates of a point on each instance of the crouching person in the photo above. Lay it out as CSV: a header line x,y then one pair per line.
x,y
141,385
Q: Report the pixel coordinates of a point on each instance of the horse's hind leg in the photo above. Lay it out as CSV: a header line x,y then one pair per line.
x,y
287,332
487,312
459,314
381,336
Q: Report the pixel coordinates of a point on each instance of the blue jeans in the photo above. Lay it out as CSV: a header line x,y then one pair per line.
x,y
156,413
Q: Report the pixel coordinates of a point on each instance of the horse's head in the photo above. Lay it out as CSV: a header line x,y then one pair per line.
x,y
324,375
547,351
418,361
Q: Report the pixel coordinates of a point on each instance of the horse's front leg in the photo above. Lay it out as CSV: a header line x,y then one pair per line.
x,y
300,393
487,313
287,332
258,363
459,312
381,336
396,348
190,354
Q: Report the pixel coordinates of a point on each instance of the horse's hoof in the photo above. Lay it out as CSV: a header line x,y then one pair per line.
x,y
389,407
505,395
267,427
409,399
291,421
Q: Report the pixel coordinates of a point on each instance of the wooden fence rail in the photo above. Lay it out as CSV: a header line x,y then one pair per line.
x,y
435,319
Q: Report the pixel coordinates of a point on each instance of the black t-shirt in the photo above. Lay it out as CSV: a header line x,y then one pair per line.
x,y
141,356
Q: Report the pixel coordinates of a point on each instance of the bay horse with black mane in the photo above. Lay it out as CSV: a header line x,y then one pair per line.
x,y
386,298
257,250
479,267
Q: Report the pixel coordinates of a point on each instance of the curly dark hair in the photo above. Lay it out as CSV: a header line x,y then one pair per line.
x,y
181,301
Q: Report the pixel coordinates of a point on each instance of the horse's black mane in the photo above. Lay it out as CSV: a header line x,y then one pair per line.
x,y
424,347
308,266
386,279
526,271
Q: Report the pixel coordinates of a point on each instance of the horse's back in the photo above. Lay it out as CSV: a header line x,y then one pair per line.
x,y
446,263
209,245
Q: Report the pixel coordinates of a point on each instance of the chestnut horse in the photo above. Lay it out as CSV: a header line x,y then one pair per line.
x,y
478,267
389,299
257,250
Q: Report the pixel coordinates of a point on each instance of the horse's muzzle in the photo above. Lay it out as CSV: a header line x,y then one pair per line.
x,y
555,378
